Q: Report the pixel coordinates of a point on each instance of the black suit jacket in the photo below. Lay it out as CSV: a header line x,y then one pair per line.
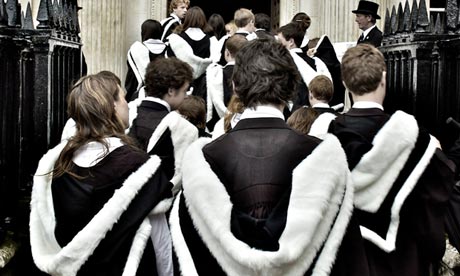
x,y
374,37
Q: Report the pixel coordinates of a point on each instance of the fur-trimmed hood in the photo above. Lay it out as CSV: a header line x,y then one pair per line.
x,y
320,206
320,126
183,133
378,169
66,261
215,89
184,52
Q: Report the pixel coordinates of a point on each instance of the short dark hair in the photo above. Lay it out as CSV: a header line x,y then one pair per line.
x,y
151,29
165,73
262,21
292,30
362,68
265,73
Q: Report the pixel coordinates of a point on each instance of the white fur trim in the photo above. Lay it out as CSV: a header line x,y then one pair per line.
x,y
321,68
389,243
320,126
162,244
377,170
168,26
138,59
137,248
318,194
46,252
132,108
183,133
184,52
306,72
218,129
215,91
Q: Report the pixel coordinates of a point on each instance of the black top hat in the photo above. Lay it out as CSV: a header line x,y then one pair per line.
x,y
367,7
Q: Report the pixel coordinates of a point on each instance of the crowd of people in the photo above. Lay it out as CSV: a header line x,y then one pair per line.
x,y
223,155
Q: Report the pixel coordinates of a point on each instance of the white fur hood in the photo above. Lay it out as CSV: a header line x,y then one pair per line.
x,y
48,255
320,206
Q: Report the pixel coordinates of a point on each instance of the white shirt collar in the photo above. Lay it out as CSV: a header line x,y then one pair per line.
x,y
367,104
158,100
296,50
366,32
231,62
262,111
93,152
321,105
195,33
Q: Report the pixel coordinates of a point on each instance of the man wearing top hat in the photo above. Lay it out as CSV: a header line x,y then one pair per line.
x,y
366,16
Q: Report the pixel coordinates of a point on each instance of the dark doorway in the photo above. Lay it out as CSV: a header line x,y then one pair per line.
x,y
227,8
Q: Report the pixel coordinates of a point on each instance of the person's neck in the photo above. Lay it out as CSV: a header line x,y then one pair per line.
x,y
374,96
368,27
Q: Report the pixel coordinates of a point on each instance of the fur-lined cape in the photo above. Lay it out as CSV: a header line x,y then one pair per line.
x,y
306,72
184,52
138,59
215,89
320,206
48,255
378,169
320,126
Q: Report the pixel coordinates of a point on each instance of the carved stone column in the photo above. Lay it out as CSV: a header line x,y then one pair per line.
x,y
103,33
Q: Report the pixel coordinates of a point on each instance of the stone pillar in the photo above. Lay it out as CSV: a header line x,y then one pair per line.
x,y
103,34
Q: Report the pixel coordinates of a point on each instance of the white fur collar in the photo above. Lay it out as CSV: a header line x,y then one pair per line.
x,y
379,168
183,133
138,59
184,52
46,252
320,126
320,194
215,91
306,72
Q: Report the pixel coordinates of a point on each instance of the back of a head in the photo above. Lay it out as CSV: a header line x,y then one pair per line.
x,y
151,29
230,27
302,119
292,30
109,76
217,23
235,43
264,73
164,73
91,103
193,108
195,18
262,21
322,88
303,20
175,3
362,68
243,17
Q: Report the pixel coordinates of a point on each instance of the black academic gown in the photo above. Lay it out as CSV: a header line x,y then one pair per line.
x,y
417,242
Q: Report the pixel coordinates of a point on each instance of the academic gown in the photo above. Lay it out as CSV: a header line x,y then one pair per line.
x,y
402,185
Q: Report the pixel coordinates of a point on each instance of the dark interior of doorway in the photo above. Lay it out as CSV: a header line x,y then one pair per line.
x,y
227,8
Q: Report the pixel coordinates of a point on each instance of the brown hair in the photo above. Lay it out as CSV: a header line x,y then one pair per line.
x,y
303,20
235,43
321,88
234,106
362,68
91,103
292,30
243,17
164,73
175,3
193,108
265,73
302,119
195,18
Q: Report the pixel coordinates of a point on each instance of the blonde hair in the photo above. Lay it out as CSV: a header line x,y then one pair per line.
x,y
243,17
175,3
234,106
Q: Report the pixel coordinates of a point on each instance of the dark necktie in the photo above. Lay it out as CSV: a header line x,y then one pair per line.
x,y
361,37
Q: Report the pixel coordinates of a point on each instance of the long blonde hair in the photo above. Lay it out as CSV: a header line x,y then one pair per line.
x,y
91,103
